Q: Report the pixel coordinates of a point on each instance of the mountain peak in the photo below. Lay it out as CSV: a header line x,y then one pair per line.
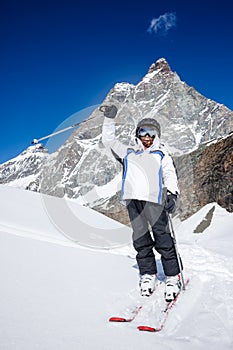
x,y
161,64
188,120
24,166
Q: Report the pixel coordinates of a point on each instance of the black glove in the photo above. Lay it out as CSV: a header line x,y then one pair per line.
x,y
170,204
109,111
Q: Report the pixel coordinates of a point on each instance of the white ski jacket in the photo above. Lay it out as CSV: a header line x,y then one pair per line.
x,y
145,172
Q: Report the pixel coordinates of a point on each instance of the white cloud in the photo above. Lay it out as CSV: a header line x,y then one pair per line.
x,y
163,23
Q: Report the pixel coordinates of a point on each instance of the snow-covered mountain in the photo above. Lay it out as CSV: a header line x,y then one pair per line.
x,y
83,170
59,286
23,169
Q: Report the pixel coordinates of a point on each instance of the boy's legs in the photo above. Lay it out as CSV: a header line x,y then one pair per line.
x,y
163,242
142,240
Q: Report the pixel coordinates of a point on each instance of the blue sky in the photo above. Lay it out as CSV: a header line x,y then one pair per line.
x,y
59,57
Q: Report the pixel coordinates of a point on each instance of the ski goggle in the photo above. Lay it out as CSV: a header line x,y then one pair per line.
x,y
142,132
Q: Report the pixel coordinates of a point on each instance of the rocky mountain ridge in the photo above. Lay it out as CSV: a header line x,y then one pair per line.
x,y
81,168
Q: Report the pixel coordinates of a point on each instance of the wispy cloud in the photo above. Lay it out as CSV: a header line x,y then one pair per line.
x,y
163,23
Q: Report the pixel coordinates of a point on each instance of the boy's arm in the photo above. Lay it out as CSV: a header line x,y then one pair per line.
x,y
109,139
169,175
108,132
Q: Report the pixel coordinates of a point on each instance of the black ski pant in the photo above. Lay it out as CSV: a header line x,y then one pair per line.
x,y
145,217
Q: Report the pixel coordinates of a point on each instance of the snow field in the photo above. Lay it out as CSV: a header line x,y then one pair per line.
x,y
58,294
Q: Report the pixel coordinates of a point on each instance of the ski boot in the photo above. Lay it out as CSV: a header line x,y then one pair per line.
x,y
147,284
172,288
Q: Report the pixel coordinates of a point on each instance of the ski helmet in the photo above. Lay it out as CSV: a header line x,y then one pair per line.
x,y
149,122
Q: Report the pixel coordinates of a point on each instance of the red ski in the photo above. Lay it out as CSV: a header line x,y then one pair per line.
x,y
134,313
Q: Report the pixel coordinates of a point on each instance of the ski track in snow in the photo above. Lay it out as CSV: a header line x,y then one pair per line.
x,y
203,302
205,309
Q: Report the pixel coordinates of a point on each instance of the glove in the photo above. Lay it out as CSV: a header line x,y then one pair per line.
x,y
109,111
170,204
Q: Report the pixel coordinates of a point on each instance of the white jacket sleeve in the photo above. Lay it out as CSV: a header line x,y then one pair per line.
x,y
109,139
169,175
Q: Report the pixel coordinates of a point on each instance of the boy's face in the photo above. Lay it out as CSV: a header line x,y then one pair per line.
x,y
147,136
147,141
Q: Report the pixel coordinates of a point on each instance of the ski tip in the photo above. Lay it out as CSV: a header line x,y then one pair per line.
x,y
117,319
146,329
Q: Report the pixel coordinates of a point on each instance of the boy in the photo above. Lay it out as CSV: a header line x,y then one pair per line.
x,y
150,191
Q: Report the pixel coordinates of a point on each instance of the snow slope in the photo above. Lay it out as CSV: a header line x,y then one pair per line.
x,y
60,284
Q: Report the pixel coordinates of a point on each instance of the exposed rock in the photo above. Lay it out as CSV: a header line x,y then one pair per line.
x,y
205,222
213,177
189,121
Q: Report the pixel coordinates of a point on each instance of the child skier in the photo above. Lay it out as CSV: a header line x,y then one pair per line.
x,y
150,191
